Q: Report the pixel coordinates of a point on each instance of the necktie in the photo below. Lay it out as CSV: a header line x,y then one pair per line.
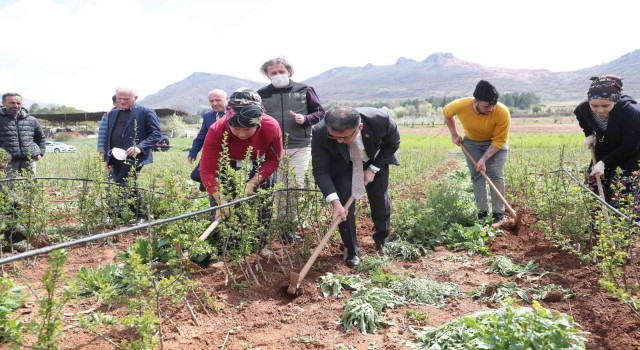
x,y
357,177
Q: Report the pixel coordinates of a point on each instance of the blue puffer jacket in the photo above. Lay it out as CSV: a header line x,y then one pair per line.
x,y
22,137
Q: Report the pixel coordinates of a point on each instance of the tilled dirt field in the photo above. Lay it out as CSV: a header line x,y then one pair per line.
x,y
266,317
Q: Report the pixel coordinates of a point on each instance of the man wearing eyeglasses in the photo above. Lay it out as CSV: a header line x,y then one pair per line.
x,y
348,138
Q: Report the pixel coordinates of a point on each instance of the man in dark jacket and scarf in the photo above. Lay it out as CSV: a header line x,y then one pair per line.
x,y
20,135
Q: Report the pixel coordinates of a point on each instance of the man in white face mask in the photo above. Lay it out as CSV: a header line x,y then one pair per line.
x,y
296,107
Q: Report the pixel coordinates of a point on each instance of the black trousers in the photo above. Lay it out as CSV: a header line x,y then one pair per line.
x,y
121,172
379,203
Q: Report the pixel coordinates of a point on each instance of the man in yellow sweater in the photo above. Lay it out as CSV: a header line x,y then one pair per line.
x,y
485,123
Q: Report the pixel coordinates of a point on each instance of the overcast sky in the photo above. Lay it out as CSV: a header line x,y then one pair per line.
x,y
76,52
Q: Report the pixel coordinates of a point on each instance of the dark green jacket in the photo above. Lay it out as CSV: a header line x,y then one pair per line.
x,y
298,98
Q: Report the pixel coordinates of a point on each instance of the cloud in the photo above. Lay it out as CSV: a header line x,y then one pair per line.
x,y
76,52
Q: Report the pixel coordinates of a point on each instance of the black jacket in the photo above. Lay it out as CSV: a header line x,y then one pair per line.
x,y
22,137
381,140
619,145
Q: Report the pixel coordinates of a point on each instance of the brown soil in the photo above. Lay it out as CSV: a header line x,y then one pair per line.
x,y
266,317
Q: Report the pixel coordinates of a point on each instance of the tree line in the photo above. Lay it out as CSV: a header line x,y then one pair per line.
x,y
430,106
52,109
517,100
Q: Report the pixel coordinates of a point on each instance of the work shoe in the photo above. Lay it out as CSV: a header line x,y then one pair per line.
x,y
498,220
380,248
482,215
353,260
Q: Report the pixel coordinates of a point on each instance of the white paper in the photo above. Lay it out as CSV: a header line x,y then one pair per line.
x,y
119,153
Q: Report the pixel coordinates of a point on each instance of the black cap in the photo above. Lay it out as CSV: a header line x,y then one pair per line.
x,y
486,92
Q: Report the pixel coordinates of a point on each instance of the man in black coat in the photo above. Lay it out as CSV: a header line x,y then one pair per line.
x,y
20,135
370,137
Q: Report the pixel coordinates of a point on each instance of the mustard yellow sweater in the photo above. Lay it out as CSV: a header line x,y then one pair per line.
x,y
493,126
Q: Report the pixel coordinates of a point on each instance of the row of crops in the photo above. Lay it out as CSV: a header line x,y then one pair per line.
x,y
433,207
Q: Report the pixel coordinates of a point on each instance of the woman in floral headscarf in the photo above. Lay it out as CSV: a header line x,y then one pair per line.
x,y
244,126
611,124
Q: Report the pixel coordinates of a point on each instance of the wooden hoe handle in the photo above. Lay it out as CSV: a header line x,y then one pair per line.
x,y
495,189
320,246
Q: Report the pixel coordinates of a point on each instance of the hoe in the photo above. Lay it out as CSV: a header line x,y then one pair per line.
x,y
517,216
296,278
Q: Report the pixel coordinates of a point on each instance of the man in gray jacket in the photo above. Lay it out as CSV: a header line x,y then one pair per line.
x,y
20,135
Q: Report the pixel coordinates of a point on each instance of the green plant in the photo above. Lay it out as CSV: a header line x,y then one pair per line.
x,y
49,330
417,316
11,297
511,327
105,282
364,309
503,290
415,224
372,262
424,291
470,238
503,266
403,250
331,284
382,278
451,198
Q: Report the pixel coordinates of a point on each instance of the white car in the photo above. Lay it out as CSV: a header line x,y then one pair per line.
x,y
59,147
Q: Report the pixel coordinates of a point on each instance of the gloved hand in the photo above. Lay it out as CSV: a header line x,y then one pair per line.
x,y
590,141
598,169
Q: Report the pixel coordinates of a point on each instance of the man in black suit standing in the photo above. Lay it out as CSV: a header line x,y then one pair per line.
x,y
359,144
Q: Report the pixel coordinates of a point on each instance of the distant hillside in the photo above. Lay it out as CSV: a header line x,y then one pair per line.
x,y
440,74
190,94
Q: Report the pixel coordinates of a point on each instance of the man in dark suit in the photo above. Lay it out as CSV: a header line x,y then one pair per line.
x,y
132,130
218,101
348,136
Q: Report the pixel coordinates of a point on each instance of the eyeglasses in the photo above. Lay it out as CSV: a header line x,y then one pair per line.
x,y
342,137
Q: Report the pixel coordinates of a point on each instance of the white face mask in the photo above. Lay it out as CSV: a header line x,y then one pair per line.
x,y
280,80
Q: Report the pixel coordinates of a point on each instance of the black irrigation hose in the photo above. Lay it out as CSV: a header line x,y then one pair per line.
x,y
100,236
118,232
601,200
87,180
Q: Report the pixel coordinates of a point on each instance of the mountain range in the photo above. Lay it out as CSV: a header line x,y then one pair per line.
x,y
440,74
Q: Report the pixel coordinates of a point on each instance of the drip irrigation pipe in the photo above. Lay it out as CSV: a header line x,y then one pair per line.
x,y
159,222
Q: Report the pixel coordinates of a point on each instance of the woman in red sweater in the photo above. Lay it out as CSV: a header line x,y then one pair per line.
x,y
244,126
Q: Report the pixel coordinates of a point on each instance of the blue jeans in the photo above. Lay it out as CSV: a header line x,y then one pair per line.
x,y
495,172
